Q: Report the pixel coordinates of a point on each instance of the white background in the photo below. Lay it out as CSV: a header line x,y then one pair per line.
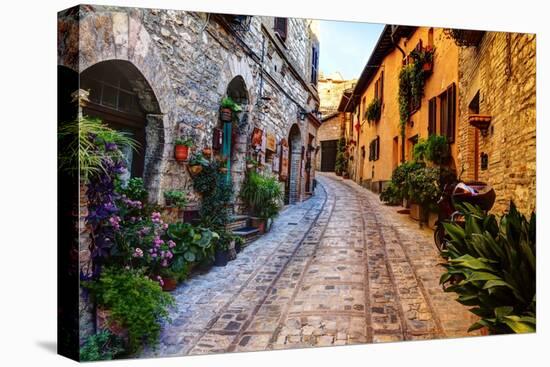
x,y
28,185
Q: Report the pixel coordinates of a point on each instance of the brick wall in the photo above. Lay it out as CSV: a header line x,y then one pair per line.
x,y
502,69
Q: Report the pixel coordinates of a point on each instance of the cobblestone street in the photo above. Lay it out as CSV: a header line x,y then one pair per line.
x,y
339,268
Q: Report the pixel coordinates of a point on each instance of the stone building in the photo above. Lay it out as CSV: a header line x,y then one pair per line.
x,y
331,91
497,84
161,74
380,144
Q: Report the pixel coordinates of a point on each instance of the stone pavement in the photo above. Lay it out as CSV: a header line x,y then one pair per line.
x,y
337,269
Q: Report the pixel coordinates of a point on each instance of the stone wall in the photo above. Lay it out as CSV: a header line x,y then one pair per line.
x,y
502,70
189,59
330,92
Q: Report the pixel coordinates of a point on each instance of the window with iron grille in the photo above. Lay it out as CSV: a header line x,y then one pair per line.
x,y
447,113
281,28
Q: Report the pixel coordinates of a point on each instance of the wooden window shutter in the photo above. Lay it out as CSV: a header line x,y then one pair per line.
x,y
451,123
281,27
377,152
432,116
381,94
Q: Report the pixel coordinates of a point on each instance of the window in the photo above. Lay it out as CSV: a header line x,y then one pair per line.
x,y
281,28
363,108
315,64
447,113
379,88
432,116
374,149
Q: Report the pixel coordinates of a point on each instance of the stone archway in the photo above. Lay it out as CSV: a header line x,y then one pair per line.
x,y
238,92
88,38
295,165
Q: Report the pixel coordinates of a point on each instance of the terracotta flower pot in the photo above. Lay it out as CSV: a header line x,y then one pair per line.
x,y
195,170
169,284
226,114
104,321
258,223
181,152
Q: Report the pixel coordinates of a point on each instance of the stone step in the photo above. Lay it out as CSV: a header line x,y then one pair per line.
x,y
237,221
249,234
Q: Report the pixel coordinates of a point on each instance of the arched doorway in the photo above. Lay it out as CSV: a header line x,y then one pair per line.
x,y
236,135
293,184
122,98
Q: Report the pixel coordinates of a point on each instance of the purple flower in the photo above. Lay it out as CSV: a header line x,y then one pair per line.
x,y
110,147
171,244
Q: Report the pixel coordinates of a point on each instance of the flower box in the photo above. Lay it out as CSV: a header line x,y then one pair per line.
x,y
481,122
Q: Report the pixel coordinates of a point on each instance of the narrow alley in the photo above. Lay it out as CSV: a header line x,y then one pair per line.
x,y
337,269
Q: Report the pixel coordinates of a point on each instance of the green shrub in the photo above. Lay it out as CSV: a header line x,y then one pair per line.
x,y
217,193
102,346
435,149
423,187
134,189
262,194
135,301
492,267
391,195
176,198
341,158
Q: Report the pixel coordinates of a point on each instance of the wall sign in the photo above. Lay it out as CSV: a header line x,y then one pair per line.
x,y
283,172
271,142
257,138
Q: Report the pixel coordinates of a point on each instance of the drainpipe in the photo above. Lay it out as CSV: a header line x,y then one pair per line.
x,y
392,36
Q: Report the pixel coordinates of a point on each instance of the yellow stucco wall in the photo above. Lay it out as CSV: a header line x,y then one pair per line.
x,y
445,72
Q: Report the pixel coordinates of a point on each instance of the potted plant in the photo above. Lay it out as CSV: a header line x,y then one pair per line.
x,y
132,301
228,107
181,148
262,195
221,254
196,163
175,198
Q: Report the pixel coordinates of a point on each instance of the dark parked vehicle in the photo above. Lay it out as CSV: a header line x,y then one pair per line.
x,y
476,193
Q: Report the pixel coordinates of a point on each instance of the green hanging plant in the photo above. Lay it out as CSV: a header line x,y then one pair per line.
x,y
374,110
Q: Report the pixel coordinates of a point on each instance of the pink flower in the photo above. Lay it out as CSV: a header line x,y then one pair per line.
x,y
164,263
171,244
159,279
155,217
138,252
165,226
153,255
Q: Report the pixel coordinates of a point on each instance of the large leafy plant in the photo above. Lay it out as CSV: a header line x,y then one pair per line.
x,y
135,301
262,194
492,267
193,244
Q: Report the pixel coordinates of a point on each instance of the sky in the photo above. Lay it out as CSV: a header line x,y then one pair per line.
x,y
346,46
